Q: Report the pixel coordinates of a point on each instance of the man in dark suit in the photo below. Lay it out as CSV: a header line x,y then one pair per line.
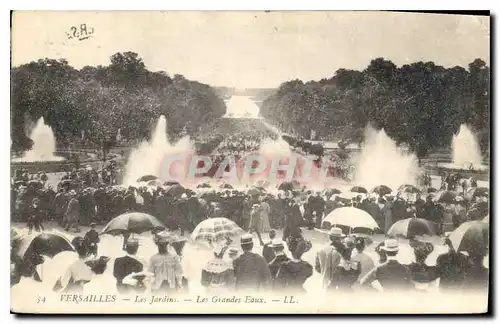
x,y
250,269
279,259
392,275
126,265
91,239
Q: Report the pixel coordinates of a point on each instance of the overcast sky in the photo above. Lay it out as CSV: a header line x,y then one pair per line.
x,y
252,49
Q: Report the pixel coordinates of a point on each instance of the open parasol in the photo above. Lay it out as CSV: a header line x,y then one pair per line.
x,y
48,244
382,190
471,237
409,189
359,189
351,217
447,197
412,227
215,230
131,223
148,177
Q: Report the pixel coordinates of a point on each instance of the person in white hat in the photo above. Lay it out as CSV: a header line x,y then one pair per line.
x,y
279,257
392,275
329,256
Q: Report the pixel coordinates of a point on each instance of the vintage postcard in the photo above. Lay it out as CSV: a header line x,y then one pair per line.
x,y
250,162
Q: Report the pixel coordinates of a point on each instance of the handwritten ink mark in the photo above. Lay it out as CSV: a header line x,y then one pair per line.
x,y
80,33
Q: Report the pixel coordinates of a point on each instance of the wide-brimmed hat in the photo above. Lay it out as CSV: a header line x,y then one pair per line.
x,y
277,243
132,242
161,238
232,252
336,232
390,245
246,239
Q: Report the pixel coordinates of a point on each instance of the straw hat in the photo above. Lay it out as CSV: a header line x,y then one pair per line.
x,y
390,245
132,242
277,243
246,239
336,232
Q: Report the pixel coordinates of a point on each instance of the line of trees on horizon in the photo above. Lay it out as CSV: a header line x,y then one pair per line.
x,y
95,102
420,104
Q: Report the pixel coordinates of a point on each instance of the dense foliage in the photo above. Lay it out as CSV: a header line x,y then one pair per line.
x,y
94,102
421,104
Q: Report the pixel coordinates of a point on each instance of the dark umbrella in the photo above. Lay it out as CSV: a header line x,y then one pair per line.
x,y
447,197
359,189
170,183
331,191
262,183
286,186
19,183
226,186
431,190
148,177
406,188
254,191
471,237
411,227
478,192
131,222
154,183
42,244
35,183
204,185
66,182
382,190
175,190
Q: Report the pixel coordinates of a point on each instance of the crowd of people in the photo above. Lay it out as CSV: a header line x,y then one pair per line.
x,y
342,264
89,197
84,197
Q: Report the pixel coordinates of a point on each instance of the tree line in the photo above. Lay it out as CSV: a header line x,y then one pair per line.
x,y
90,105
421,104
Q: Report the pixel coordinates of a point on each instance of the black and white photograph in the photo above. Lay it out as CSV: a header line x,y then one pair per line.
x,y
249,162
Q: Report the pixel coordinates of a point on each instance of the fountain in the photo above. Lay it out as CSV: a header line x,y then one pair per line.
x,y
148,158
44,145
381,161
241,107
465,152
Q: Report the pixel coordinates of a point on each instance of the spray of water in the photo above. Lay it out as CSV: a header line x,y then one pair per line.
x,y
149,157
241,107
465,149
44,144
381,161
